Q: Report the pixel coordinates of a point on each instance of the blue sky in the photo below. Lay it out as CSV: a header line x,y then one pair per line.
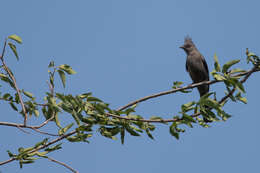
x,y
123,50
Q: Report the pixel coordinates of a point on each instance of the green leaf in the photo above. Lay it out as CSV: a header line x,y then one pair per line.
x,y
10,154
216,63
130,130
229,64
36,113
65,129
51,64
62,77
13,106
7,96
243,99
67,69
56,147
85,95
28,94
187,107
122,134
76,117
188,118
16,38
2,75
13,47
219,77
41,154
237,70
56,118
93,99
156,118
149,134
173,131
177,84
240,86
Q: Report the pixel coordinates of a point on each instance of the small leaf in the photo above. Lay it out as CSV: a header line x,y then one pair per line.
x,y
51,64
177,84
149,134
28,94
188,118
229,64
62,77
131,131
216,63
56,118
237,70
242,99
41,154
56,147
13,47
85,95
156,118
122,134
67,69
65,129
10,154
36,113
219,77
2,75
173,131
13,106
43,142
240,86
93,99
16,38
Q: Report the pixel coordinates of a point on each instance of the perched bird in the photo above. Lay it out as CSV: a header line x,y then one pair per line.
x,y
196,65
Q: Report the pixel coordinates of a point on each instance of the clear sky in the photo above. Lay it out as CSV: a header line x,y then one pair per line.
x,y
127,49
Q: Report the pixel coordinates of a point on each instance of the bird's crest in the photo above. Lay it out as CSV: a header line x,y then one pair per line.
x,y
188,39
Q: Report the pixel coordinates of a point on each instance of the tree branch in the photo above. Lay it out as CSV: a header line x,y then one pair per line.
x,y
21,126
63,164
179,89
43,146
14,81
246,74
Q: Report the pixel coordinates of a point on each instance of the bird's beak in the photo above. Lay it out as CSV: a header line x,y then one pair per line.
x,y
182,47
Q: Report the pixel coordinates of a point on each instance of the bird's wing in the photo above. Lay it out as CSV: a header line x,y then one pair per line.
x,y
205,64
187,67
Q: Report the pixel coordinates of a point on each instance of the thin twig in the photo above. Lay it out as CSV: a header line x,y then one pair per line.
x,y
21,126
7,161
63,164
166,93
15,84
45,133
43,146
44,123
246,74
179,89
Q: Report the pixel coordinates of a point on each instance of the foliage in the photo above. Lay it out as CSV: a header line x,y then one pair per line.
x,y
89,112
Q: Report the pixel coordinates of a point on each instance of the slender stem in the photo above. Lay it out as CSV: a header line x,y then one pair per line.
x,y
180,89
247,74
7,161
63,164
43,146
166,93
21,126
15,84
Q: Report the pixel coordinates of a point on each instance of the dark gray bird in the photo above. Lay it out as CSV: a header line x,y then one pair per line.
x,y
196,65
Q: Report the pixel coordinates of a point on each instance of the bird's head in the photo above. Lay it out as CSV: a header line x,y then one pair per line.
x,y
188,45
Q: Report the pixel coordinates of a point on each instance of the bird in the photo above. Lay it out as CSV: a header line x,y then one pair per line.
x,y
197,68
196,65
